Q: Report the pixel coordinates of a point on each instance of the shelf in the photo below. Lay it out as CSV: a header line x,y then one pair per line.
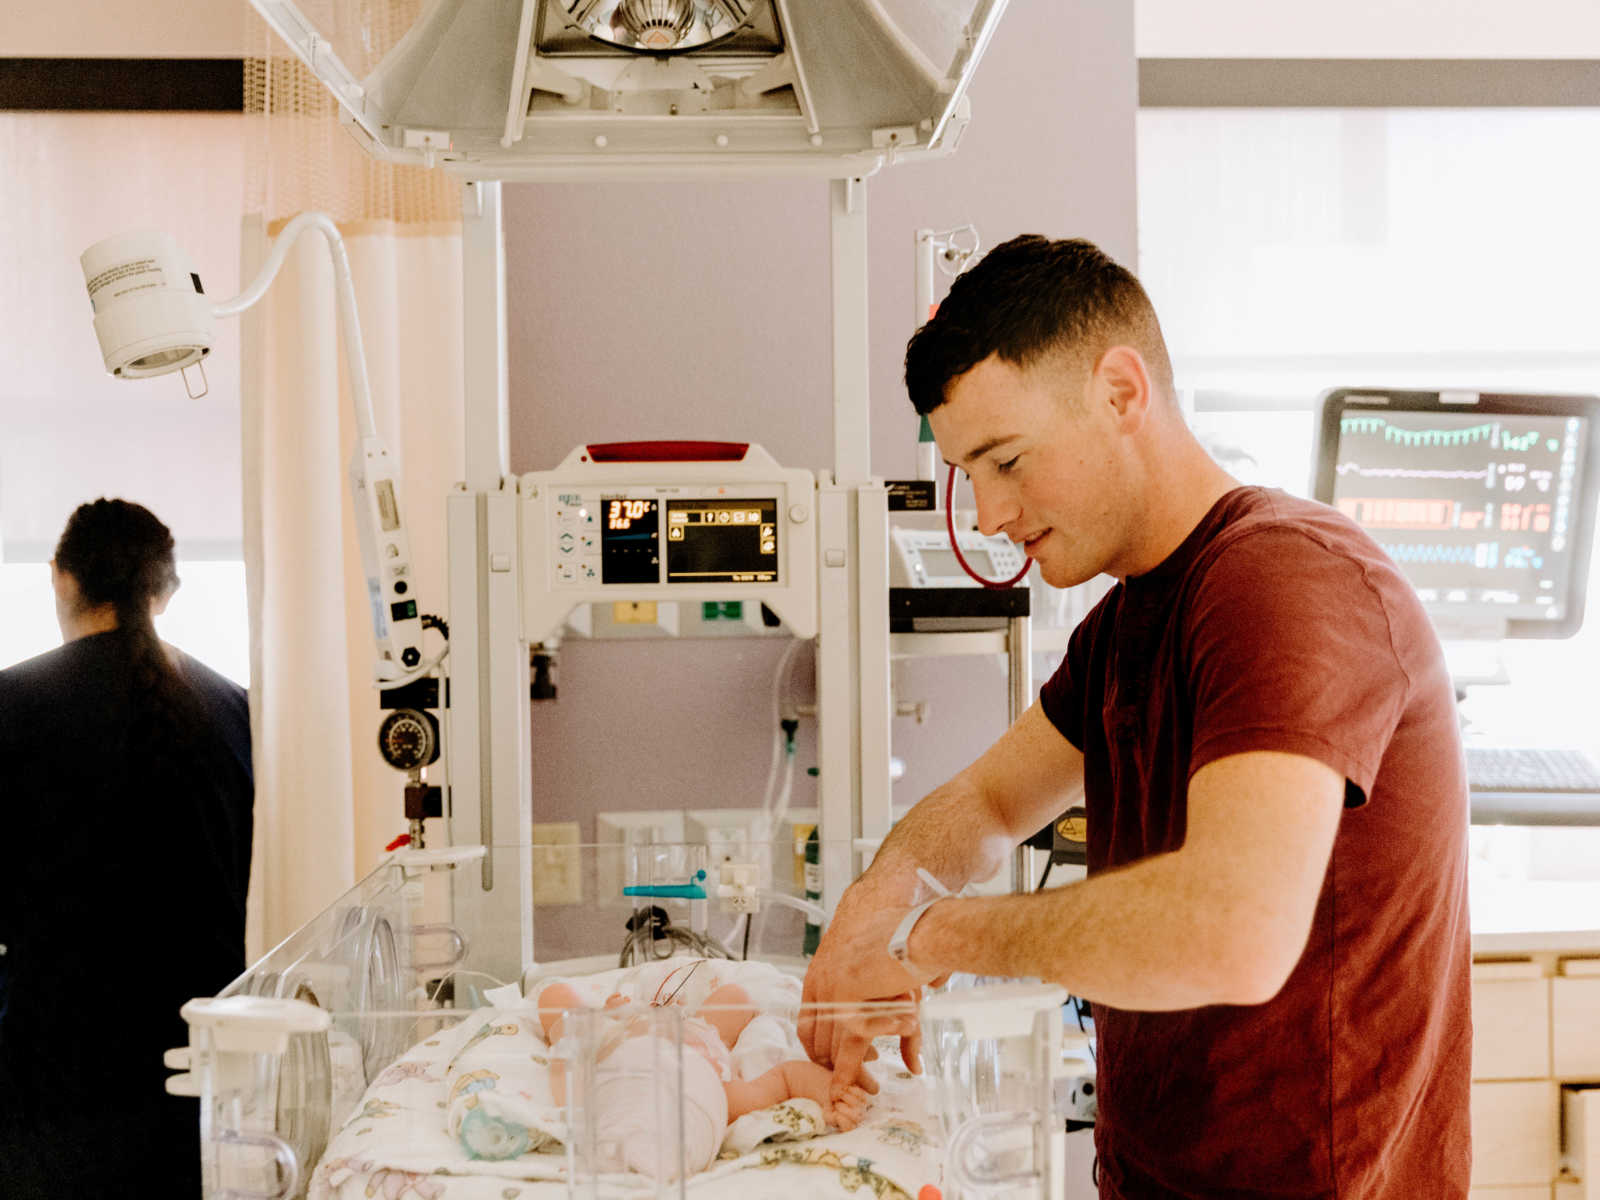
x,y
934,645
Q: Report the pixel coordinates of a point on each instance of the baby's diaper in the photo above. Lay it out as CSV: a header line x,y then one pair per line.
x,y
635,1109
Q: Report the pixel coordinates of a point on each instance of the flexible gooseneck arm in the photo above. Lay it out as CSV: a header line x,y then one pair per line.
x,y
349,323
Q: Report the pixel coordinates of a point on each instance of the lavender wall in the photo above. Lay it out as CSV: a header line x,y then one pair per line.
x,y
701,310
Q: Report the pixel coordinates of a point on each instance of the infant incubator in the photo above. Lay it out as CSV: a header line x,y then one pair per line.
x,y
649,1048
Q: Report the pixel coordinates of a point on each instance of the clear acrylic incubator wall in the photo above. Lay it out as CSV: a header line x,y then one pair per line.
x,y
647,1047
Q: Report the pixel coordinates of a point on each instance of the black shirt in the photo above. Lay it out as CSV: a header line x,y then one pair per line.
x,y
122,896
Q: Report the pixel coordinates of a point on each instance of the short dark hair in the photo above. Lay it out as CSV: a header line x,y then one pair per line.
x,y
1025,300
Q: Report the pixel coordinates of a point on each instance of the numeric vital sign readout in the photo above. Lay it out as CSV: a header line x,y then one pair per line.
x,y
630,540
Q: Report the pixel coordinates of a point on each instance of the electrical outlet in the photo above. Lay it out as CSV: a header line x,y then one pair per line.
x,y
557,873
616,831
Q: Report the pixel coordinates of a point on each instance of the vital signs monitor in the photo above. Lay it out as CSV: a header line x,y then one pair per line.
x,y
668,521
1485,501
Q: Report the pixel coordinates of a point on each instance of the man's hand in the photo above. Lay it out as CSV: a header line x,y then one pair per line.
x,y
852,964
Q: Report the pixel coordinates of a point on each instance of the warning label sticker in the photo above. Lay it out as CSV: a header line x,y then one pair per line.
x,y
135,275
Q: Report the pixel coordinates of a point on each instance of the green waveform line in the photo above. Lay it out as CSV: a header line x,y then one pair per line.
x,y
1428,437
1519,444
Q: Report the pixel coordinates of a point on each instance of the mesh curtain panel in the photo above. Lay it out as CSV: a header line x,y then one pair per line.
x,y
302,159
326,803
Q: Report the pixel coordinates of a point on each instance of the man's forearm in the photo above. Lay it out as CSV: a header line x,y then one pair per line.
x,y
1152,936
953,833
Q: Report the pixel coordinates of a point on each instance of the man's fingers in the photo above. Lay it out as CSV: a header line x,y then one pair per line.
x,y
824,1035
807,1029
850,1055
911,1051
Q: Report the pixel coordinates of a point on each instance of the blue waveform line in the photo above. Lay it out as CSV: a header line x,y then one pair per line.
x,y
1479,554
1408,472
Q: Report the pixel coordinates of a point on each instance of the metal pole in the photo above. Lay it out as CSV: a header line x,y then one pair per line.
x,y
1019,677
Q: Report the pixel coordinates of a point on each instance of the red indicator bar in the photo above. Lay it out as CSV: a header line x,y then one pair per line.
x,y
616,452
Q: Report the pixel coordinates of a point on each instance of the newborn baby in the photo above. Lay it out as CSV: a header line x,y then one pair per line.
x,y
633,1054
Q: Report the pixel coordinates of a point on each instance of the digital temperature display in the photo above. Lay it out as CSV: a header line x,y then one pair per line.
x,y
621,514
630,540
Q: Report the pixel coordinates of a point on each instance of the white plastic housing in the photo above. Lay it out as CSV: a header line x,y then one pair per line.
x,y
562,552
386,560
506,89
150,312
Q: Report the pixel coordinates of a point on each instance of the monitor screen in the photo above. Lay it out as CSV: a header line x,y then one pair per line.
x,y
1485,502
723,541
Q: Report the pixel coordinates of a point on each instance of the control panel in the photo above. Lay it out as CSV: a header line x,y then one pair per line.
x,y
922,558
676,521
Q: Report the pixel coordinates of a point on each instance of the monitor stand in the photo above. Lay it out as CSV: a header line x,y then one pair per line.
x,y
1472,650
1473,663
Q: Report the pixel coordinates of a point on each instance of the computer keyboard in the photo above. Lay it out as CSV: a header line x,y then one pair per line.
x,y
1530,769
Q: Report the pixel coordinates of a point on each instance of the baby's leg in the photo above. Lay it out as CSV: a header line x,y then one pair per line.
x,y
728,1010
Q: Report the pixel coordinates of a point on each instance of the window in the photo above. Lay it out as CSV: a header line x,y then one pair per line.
x,y
71,433
1290,251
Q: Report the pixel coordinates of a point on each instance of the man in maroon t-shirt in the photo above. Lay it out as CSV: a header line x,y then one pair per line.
x,y
1258,718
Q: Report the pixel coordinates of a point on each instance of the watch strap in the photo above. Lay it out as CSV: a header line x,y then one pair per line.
x,y
902,932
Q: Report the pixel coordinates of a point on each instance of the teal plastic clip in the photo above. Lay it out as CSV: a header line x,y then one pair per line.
x,y
672,891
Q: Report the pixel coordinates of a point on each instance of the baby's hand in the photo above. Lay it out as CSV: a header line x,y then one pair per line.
x,y
849,1107
843,1107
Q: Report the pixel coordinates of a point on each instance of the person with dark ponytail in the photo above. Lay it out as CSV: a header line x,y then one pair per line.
x,y
127,794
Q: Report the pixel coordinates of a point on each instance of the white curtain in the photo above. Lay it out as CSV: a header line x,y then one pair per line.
x,y
326,804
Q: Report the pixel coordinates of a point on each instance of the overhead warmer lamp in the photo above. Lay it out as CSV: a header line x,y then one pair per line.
x,y
586,89
659,26
152,317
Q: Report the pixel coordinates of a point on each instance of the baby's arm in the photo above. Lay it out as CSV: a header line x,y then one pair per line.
x,y
793,1080
728,1010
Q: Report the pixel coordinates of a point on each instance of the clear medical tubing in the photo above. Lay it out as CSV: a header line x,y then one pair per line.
x,y
950,526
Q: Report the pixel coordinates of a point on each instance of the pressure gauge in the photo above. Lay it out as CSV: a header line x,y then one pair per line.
x,y
408,739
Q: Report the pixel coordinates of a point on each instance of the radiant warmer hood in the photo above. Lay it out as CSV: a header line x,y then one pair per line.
x,y
553,89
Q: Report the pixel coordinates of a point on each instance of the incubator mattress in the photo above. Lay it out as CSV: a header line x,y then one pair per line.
x,y
449,1121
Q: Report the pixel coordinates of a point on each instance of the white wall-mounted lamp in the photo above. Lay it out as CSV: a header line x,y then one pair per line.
x,y
152,317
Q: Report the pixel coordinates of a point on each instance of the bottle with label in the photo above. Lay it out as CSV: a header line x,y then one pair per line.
x,y
813,874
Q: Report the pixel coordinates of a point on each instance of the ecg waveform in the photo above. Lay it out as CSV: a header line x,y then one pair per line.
x,y
1487,431
1480,554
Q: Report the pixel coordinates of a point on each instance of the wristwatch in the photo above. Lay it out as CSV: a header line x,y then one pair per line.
x,y
902,933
